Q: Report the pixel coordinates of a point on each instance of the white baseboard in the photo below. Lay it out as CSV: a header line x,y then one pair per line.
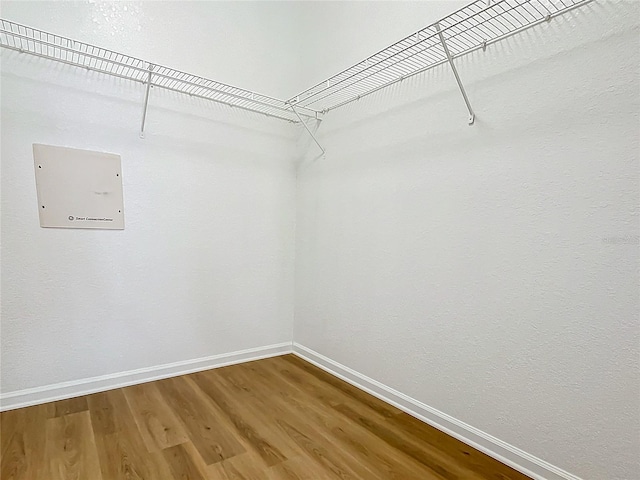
x,y
76,388
518,459
508,454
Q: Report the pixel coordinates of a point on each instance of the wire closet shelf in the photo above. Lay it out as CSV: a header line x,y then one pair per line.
x,y
471,28
42,44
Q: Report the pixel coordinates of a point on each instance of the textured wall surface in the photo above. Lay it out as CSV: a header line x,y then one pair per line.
x,y
248,43
205,263
491,271
335,35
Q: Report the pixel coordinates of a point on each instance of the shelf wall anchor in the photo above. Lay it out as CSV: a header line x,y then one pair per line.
x,y
472,116
146,102
308,129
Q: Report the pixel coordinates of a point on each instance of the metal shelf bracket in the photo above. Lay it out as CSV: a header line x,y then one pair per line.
x,y
146,101
46,45
472,116
473,27
308,129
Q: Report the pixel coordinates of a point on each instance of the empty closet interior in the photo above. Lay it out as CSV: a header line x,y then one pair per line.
x,y
435,203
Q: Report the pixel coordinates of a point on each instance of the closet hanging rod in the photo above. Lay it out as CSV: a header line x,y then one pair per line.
x,y
24,39
468,29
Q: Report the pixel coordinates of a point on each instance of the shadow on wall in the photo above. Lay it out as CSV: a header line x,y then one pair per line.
x,y
433,98
77,81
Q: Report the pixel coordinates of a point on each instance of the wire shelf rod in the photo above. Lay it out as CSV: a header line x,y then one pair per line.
x,y
17,37
172,81
143,82
476,25
454,56
394,53
141,63
471,27
432,36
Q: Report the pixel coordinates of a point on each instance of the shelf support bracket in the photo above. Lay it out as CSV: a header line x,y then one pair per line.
x,y
472,116
146,102
304,124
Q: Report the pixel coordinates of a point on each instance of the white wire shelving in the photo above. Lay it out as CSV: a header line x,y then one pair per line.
x,y
54,47
473,27
470,28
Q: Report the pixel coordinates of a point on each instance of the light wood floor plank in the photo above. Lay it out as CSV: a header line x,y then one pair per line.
x,y
364,398
103,412
247,466
313,444
258,396
439,463
206,426
247,423
361,445
157,423
330,393
72,405
460,453
298,468
13,465
182,465
123,458
321,452
273,419
23,429
71,448
121,450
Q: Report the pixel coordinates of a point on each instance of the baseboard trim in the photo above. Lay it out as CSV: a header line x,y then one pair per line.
x,y
516,458
76,388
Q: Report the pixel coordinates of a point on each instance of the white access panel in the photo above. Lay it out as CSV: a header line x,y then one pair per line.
x,y
78,188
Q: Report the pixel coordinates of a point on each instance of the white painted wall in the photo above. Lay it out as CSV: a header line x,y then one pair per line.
x,y
205,263
338,34
468,267
244,43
